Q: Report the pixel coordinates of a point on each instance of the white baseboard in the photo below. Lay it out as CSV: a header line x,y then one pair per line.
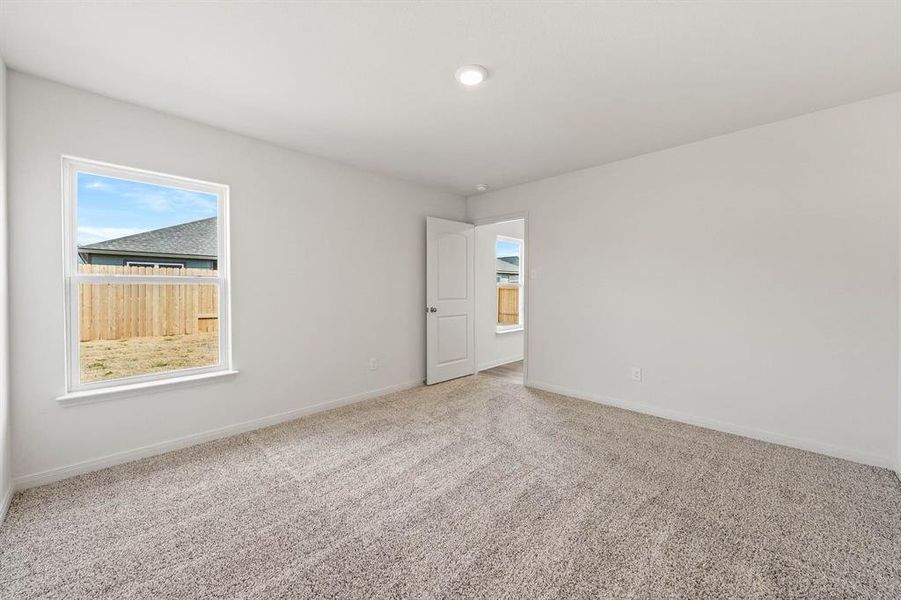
x,y
95,464
5,502
858,456
497,363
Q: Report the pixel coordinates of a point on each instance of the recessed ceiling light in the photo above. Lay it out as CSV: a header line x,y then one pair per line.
x,y
471,75
482,187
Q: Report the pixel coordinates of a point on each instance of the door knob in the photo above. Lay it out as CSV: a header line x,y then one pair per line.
x,y
432,309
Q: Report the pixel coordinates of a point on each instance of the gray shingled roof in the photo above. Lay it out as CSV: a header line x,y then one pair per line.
x,y
197,238
508,264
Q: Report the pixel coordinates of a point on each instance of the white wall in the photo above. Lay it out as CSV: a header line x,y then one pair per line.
x,y
753,277
327,271
493,348
5,442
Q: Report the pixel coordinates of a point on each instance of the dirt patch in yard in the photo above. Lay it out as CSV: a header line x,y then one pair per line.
x,y
113,359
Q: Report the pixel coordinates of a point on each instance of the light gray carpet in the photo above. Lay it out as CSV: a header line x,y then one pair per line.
x,y
473,488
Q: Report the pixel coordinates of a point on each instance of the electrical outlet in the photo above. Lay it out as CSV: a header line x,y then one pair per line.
x,y
636,374
373,364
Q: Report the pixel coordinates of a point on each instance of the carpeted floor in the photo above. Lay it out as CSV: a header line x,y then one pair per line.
x,y
473,488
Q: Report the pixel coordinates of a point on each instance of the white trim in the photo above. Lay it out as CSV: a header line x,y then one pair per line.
x,y
5,502
70,168
155,265
498,363
898,333
86,466
122,391
867,458
515,216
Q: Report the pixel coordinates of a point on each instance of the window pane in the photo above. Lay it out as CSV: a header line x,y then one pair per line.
x,y
125,224
508,253
508,305
126,330
508,261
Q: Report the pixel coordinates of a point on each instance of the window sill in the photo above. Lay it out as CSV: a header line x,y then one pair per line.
x,y
512,329
133,389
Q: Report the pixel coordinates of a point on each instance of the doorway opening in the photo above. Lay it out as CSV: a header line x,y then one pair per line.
x,y
500,298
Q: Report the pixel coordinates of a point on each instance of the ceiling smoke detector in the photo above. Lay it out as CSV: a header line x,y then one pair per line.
x,y
471,75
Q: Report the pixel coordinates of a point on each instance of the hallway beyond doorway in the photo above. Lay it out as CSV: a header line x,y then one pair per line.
x,y
510,371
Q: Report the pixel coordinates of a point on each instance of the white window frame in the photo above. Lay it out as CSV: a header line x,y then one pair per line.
x,y
155,265
519,326
71,167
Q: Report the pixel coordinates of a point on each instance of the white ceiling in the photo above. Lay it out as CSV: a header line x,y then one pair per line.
x,y
372,84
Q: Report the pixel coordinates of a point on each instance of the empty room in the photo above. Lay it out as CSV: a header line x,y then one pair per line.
x,y
450,299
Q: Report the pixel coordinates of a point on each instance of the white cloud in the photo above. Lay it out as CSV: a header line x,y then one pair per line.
x,y
90,235
99,185
174,200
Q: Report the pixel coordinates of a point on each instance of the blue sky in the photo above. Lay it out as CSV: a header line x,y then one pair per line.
x,y
505,248
110,208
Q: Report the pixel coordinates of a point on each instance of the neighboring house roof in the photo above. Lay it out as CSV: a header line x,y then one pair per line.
x,y
197,238
508,264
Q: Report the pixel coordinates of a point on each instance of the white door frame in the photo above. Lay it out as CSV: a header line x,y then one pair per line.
x,y
527,281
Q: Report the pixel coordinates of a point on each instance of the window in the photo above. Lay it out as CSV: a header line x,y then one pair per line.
x,y
509,285
146,272
157,265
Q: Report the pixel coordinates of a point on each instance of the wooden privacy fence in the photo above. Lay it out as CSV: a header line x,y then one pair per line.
x,y
508,305
112,311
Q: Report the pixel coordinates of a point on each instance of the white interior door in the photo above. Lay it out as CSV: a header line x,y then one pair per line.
x,y
450,306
